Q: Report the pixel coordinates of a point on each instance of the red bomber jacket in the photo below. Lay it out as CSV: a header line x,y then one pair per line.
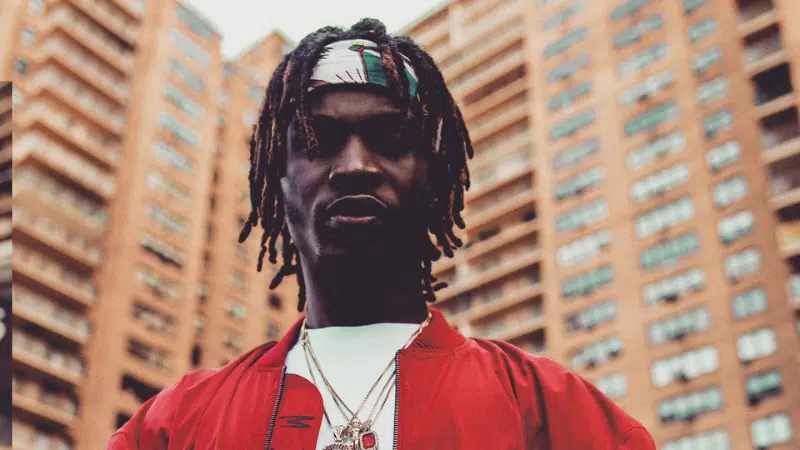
x,y
452,393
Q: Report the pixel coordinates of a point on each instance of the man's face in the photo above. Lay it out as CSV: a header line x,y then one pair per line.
x,y
361,198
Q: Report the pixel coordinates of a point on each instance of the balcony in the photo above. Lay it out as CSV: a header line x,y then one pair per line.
x,y
75,94
490,19
147,364
27,436
470,279
39,192
34,354
763,50
773,90
63,323
472,52
512,198
789,238
504,115
779,130
515,326
67,242
113,19
493,68
134,8
84,137
507,170
52,408
113,85
58,279
65,162
91,37
510,298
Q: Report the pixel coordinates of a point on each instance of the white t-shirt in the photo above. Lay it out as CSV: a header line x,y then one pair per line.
x,y
352,358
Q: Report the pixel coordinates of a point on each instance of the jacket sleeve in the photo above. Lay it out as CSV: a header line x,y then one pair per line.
x,y
575,414
149,428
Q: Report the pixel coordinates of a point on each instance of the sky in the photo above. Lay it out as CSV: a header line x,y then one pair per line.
x,y
242,22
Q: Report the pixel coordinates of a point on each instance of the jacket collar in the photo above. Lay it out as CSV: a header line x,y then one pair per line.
x,y
438,335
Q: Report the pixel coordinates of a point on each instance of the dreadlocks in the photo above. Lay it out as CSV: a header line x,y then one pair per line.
x,y
444,134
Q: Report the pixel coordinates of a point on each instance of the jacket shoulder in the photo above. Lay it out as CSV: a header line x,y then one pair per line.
x,y
586,418
150,427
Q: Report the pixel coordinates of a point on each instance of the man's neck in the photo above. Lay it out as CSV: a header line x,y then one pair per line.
x,y
364,296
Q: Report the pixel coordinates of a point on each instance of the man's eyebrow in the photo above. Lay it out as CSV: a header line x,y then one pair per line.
x,y
379,115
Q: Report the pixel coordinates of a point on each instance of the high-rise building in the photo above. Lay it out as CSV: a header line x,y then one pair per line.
x,y
119,142
5,261
635,212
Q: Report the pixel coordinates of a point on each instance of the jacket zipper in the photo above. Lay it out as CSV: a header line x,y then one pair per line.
x,y
396,393
275,410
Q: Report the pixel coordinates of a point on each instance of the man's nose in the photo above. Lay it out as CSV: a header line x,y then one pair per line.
x,y
356,168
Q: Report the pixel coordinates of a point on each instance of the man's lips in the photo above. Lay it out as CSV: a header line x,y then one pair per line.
x,y
356,206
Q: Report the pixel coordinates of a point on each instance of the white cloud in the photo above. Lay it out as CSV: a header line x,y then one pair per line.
x,y
243,22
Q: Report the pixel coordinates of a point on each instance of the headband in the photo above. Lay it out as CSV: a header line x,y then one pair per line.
x,y
356,61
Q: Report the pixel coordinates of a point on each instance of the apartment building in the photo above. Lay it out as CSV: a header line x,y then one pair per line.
x,y
636,207
5,260
237,311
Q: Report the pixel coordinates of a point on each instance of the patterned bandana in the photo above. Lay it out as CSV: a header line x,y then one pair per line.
x,y
356,61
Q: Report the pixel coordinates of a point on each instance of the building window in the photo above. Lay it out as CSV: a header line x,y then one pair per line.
x,y
238,280
569,68
680,326
166,253
669,252
582,216
563,44
573,124
193,21
613,386
686,407
637,30
190,78
735,226
651,119
274,301
690,6
179,99
671,288
163,218
592,316
27,36
20,66
586,282
189,48
717,123
709,440
256,93
569,96
723,156
685,366
272,331
749,303
664,217
706,59
702,29
576,154
643,59
174,158
756,344
595,354
577,185
713,90
729,191
179,130
739,265
762,385
250,118
157,181
35,7
628,7
237,310
771,430
647,88
583,249
561,16
672,143
660,182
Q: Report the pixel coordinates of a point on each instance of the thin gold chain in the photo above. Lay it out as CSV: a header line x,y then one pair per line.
x,y
308,350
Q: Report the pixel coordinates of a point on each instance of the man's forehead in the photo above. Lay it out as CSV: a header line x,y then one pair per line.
x,y
352,104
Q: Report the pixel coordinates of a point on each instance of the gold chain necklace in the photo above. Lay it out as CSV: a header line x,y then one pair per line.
x,y
355,435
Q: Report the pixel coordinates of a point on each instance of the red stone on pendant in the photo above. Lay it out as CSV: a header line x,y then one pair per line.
x,y
369,440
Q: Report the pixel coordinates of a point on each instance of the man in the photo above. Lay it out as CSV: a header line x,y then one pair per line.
x,y
359,156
